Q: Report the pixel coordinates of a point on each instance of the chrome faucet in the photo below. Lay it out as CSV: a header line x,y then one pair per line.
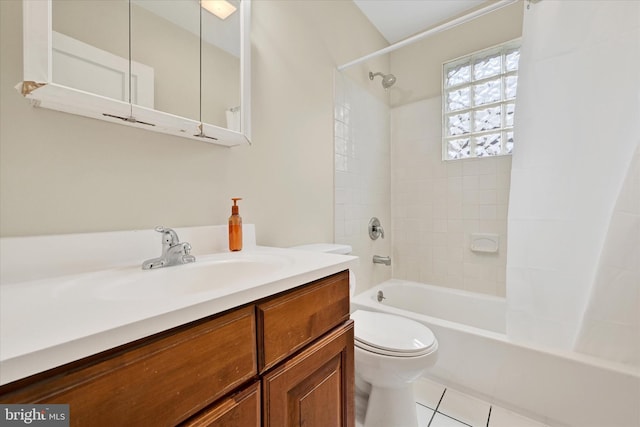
x,y
173,252
377,259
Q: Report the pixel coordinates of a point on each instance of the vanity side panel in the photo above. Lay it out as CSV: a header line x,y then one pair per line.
x,y
161,383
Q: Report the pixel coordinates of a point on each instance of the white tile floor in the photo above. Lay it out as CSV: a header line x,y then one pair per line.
x,y
440,406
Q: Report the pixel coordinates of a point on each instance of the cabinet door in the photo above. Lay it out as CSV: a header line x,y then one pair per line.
x,y
240,410
314,388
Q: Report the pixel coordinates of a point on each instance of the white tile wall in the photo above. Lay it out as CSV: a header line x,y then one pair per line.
x,y
388,164
436,205
362,176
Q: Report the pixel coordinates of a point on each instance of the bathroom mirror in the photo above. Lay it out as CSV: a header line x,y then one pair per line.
x,y
90,46
165,35
163,65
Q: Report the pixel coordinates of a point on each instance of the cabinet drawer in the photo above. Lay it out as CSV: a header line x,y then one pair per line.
x,y
161,382
288,322
240,410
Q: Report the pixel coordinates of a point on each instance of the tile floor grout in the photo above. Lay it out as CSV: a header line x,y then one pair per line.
x,y
435,411
483,418
460,406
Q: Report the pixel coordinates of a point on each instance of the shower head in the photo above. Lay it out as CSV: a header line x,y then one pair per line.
x,y
387,79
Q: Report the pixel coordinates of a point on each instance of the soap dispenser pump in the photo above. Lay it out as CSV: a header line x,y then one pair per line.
x,y
235,227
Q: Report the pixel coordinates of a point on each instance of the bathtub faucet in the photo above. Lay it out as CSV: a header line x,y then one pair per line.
x,y
377,259
173,252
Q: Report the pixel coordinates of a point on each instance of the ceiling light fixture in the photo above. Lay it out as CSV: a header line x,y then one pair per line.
x,y
221,8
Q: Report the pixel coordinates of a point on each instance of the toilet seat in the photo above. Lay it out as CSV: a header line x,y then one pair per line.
x,y
384,352
391,335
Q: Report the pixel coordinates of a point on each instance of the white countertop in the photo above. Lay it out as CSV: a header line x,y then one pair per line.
x,y
48,322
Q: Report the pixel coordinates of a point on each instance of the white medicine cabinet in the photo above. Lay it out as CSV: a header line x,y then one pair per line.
x,y
167,66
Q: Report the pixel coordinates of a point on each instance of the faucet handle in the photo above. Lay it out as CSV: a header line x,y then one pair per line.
x,y
375,229
169,236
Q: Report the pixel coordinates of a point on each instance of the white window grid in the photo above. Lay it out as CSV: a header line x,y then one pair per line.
x,y
468,139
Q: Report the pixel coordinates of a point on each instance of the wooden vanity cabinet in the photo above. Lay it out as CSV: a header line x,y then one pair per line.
x,y
240,410
159,382
306,356
286,360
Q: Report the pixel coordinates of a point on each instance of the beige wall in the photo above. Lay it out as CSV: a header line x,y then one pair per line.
x,y
103,24
418,67
62,173
287,174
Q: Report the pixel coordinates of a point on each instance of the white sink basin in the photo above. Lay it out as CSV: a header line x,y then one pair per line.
x,y
208,274
91,294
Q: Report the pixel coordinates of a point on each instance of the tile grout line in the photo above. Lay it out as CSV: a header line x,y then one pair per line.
x,y
435,411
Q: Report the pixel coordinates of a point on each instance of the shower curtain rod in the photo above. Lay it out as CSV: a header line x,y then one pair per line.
x,y
447,25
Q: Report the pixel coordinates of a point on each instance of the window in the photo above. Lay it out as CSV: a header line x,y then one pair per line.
x,y
478,103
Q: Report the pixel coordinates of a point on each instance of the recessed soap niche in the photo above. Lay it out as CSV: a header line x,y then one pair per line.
x,y
484,242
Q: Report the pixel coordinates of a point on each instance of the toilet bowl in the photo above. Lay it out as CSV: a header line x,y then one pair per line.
x,y
391,352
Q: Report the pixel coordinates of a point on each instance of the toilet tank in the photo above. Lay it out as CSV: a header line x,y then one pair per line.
x,y
330,248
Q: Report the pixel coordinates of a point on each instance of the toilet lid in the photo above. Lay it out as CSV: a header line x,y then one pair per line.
x,y
391,335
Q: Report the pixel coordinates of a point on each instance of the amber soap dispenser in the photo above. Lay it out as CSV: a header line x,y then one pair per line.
x,y
235,227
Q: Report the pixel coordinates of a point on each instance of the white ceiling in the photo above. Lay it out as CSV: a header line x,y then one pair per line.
x,y
399,19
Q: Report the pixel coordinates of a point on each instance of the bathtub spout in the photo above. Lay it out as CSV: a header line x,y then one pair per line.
x,y
377,259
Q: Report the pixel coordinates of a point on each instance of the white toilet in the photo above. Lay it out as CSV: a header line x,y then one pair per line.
x,y
391,352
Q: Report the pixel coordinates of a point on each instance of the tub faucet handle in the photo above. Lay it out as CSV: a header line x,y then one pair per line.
x,y
375,229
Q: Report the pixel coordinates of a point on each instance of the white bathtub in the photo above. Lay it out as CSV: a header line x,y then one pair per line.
x,y
475,356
